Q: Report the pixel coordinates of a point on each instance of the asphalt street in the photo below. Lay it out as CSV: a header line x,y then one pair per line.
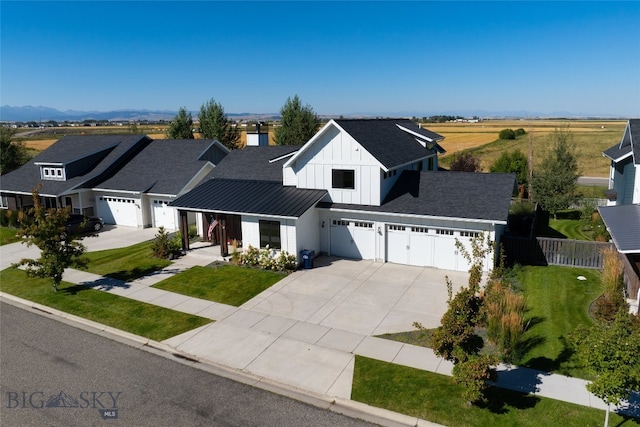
x,y
55,374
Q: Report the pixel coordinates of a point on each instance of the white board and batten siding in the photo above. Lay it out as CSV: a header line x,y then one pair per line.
x,y
251,232
337,150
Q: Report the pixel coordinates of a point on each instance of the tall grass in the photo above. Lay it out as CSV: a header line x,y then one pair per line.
x,y
612,298
504,314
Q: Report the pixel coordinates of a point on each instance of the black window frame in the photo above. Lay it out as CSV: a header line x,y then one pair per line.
x,y
269,234
340,179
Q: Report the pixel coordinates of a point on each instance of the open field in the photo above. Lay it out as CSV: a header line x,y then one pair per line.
x,y
590,136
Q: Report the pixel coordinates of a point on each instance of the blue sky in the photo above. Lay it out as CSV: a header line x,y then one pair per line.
x,y
384,58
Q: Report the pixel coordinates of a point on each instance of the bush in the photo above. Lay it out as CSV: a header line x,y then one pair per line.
x,y
166,246
265,258
520,132
193,231
507,134
465,162
612,299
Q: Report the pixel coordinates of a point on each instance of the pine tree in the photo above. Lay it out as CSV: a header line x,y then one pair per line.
x,y
214,124
298,123
181,127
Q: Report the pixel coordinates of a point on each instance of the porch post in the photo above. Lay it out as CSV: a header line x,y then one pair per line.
x,y
184,230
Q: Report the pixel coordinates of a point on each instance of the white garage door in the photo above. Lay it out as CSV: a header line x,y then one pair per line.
x,y
353,239
410,245
117,210
425,247
163,215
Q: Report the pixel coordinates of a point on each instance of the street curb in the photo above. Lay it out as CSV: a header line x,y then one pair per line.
x,y
341,406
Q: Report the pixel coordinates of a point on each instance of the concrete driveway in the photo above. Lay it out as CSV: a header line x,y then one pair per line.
x,y
360,296
109,238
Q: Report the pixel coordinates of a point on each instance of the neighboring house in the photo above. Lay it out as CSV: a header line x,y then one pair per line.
x,y
622,215
364,189
623,223
127,180
624,175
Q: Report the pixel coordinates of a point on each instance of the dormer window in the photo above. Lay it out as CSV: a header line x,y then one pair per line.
x,y
52,173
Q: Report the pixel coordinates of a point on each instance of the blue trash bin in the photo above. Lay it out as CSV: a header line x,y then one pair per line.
x,y
307,258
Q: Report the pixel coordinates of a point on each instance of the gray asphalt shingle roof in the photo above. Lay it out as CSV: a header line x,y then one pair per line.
x,y
163,167
254,163
249,197
389,144
480,196
114,151
623,223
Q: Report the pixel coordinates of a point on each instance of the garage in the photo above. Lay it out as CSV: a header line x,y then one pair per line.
x,y
426,247
163,215
118,210
353,239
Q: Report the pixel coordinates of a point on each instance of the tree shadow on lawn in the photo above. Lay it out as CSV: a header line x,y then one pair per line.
x,y
136,273
500,399
551,365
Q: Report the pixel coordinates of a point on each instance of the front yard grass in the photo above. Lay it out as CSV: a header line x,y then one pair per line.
x,y
157,323
557,302
226,284
437,398
129,263
8,235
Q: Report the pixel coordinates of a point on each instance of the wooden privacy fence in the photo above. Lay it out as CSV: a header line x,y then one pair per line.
x,y
549,251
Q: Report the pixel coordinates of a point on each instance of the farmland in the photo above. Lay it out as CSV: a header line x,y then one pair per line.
x,y
590,136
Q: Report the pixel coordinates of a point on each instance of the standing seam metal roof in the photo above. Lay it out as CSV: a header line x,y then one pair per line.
x,y
623,223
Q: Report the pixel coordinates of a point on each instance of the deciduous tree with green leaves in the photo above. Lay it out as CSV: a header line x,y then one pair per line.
x,y
181,127
12,154
59,248
214,124
554,182
610,351
298,123
512,162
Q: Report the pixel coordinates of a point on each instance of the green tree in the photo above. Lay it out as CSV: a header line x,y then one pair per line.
x,y
12,154
610,351
465,162
512,162
59,249
554,182
181,127
455,339
507,134
214,124
298,123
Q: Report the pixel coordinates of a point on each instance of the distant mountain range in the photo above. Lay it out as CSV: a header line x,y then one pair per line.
x,y
29,113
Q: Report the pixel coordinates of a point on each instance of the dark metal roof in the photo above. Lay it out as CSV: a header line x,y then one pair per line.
x,y
165,166
479,196
389,144
623,223
249,197
255,163
114,151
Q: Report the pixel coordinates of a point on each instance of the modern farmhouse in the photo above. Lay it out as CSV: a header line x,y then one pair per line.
x,y
364,189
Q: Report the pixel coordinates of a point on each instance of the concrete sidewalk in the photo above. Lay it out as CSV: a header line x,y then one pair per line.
x,y
305,354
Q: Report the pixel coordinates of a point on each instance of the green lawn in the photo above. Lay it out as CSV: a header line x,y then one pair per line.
x,y
127,263
139,318
227,284
437,398
8,235
557,302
